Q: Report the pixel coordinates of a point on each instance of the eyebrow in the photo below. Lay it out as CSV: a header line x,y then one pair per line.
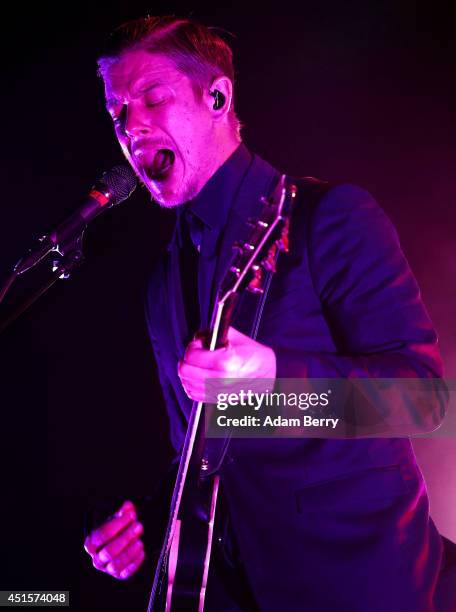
x,y
145,86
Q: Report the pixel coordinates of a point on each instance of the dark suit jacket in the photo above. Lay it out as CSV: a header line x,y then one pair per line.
x,y
322,524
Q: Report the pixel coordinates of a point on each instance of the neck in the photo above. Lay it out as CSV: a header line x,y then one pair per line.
x,y
224,151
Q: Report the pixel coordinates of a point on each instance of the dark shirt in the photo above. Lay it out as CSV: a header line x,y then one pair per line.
x,y
201,221
211,206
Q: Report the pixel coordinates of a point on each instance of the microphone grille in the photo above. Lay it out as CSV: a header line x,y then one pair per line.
x,y
121,182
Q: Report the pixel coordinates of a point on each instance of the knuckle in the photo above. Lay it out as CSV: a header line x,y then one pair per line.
x,y
129,516
88,546
127,506
111,569
127,573
133,566
98,565
117,564
94,539
136,529
104,555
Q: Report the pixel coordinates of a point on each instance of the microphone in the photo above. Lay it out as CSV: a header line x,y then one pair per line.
x,y
115,186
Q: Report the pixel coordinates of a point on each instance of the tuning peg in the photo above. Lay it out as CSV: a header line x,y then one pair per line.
x,y
269,266
269,262
252,222
242,248
256,284
283,242
248,247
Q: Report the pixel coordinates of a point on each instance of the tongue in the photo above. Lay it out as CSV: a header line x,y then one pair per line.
x,y
163,160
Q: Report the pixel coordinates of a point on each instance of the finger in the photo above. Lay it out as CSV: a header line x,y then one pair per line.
x,y
194,386
89,545
209,393
126,557
197,374
119,543
194,394
194,345
100,537
203,358
133,566
127,506
236,337
197,341
197,377
204,385
97,564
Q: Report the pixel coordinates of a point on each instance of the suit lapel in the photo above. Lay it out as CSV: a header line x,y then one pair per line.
x,y
206,272
176,299
258,182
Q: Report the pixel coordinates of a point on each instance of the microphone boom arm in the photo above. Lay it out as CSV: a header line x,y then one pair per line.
x,y
114,187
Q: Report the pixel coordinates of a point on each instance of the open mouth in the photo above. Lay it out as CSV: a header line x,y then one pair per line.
x,y
161,165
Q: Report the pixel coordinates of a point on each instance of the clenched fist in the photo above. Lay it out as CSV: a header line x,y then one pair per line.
x,y
241,362
116,547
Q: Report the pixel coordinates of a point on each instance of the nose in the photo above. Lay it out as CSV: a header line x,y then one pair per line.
x,y
136,122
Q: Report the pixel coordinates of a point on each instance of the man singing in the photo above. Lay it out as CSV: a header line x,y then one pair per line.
x,y
306,524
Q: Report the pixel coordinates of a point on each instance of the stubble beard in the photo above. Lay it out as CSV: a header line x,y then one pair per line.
x,y
188,192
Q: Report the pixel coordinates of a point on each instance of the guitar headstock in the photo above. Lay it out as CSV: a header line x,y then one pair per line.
x,y
254,258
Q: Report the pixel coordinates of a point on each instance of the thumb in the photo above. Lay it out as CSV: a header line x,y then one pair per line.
x,y
236,337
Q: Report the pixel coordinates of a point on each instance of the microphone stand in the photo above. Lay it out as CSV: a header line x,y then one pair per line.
x,y
114,187
71,257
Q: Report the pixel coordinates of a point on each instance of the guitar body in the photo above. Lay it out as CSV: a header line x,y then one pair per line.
x,y
191,548
185,567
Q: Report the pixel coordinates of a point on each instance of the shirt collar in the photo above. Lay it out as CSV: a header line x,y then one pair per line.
x,y
212,204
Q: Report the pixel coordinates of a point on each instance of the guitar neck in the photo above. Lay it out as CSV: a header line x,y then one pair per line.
x,y
221,320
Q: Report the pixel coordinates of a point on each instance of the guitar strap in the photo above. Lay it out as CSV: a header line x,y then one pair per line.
x,y
250,309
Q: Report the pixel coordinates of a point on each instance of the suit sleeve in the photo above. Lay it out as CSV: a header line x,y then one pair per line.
x,y
370,301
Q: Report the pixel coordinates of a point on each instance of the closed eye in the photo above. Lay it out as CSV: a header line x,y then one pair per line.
x,y
153,99
155,95
152,104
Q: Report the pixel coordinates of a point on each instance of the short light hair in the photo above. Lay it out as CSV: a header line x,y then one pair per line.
x,y
196,50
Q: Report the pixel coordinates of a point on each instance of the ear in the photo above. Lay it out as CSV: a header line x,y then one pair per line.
x,y
219,103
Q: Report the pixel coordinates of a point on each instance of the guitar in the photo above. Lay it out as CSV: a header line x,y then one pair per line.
x,y
183,566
